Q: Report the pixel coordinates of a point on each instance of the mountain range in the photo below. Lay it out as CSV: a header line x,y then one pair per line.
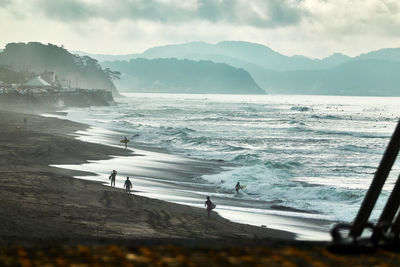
x,y
171,75
374,73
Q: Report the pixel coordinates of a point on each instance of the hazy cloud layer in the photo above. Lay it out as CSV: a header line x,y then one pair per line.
x,y
310,27
354,17
257,13
65,10
4,3
341,16
334,15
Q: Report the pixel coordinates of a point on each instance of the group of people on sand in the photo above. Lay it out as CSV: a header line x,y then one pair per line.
x,y
127,184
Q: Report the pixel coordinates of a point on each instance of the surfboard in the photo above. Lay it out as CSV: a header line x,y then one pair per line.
x,y
243,186
125,141
213,206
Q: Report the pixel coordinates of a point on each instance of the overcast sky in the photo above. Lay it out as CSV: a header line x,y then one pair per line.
x,y
315,28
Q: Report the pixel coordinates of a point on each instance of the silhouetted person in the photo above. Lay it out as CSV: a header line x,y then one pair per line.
x,y
112,178
127,185
126,142
237,187
209,206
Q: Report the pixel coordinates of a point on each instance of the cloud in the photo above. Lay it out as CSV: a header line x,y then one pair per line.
x,y
279,13
324,16
311,27
4,3
65,10
257,13
349,18
251,13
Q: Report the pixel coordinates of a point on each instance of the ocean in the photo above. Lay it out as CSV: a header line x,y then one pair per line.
x,y
302,153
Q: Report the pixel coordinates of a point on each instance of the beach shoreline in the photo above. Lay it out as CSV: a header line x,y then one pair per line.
x,y
175,178
41,202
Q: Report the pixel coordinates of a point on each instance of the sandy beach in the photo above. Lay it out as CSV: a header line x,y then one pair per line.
x,y
158,174
50,218
39,202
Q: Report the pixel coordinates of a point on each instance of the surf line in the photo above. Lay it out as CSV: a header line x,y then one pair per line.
x,y
150,180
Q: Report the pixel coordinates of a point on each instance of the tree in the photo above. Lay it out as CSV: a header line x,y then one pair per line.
x,y
113,75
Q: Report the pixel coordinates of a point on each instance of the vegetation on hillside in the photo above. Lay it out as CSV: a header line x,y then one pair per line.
x,y
9,76
72,70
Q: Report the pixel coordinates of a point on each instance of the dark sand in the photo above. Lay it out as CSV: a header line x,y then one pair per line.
x,y
41,204
49,218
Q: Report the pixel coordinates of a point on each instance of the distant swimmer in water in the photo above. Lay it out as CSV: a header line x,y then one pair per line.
x,y
127,185
112,178
210,206
238,187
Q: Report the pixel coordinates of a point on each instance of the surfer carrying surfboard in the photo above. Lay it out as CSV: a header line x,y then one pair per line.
x,y
210,206
126,140
237,187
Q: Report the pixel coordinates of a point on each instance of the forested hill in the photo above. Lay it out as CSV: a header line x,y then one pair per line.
x,y
182,76
74,70
375,73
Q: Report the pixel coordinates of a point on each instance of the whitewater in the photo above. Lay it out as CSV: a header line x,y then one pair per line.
x,y
312,155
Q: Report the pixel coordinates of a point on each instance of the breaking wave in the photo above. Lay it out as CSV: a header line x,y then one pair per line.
x,y
274,142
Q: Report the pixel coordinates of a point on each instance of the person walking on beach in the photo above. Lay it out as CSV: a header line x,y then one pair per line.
x,y
126,142
210,206
127,185
112,178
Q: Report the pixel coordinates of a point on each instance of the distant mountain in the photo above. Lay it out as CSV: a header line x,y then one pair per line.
x,y
259,60
239,54
224,52
370,77
83,72
249,53
105,57
277,73
391,54
373,73
182,76
335,60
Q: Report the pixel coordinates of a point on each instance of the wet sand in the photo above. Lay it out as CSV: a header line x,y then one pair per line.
x,y
43,203
157,174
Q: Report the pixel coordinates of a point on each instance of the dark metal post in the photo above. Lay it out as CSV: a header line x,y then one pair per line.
x,y
396,225
391,207
375,188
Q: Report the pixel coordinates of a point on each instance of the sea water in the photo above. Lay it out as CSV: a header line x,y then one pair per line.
x,y
308,154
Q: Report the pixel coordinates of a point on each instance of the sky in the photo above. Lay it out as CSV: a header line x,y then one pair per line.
x,y
314,28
